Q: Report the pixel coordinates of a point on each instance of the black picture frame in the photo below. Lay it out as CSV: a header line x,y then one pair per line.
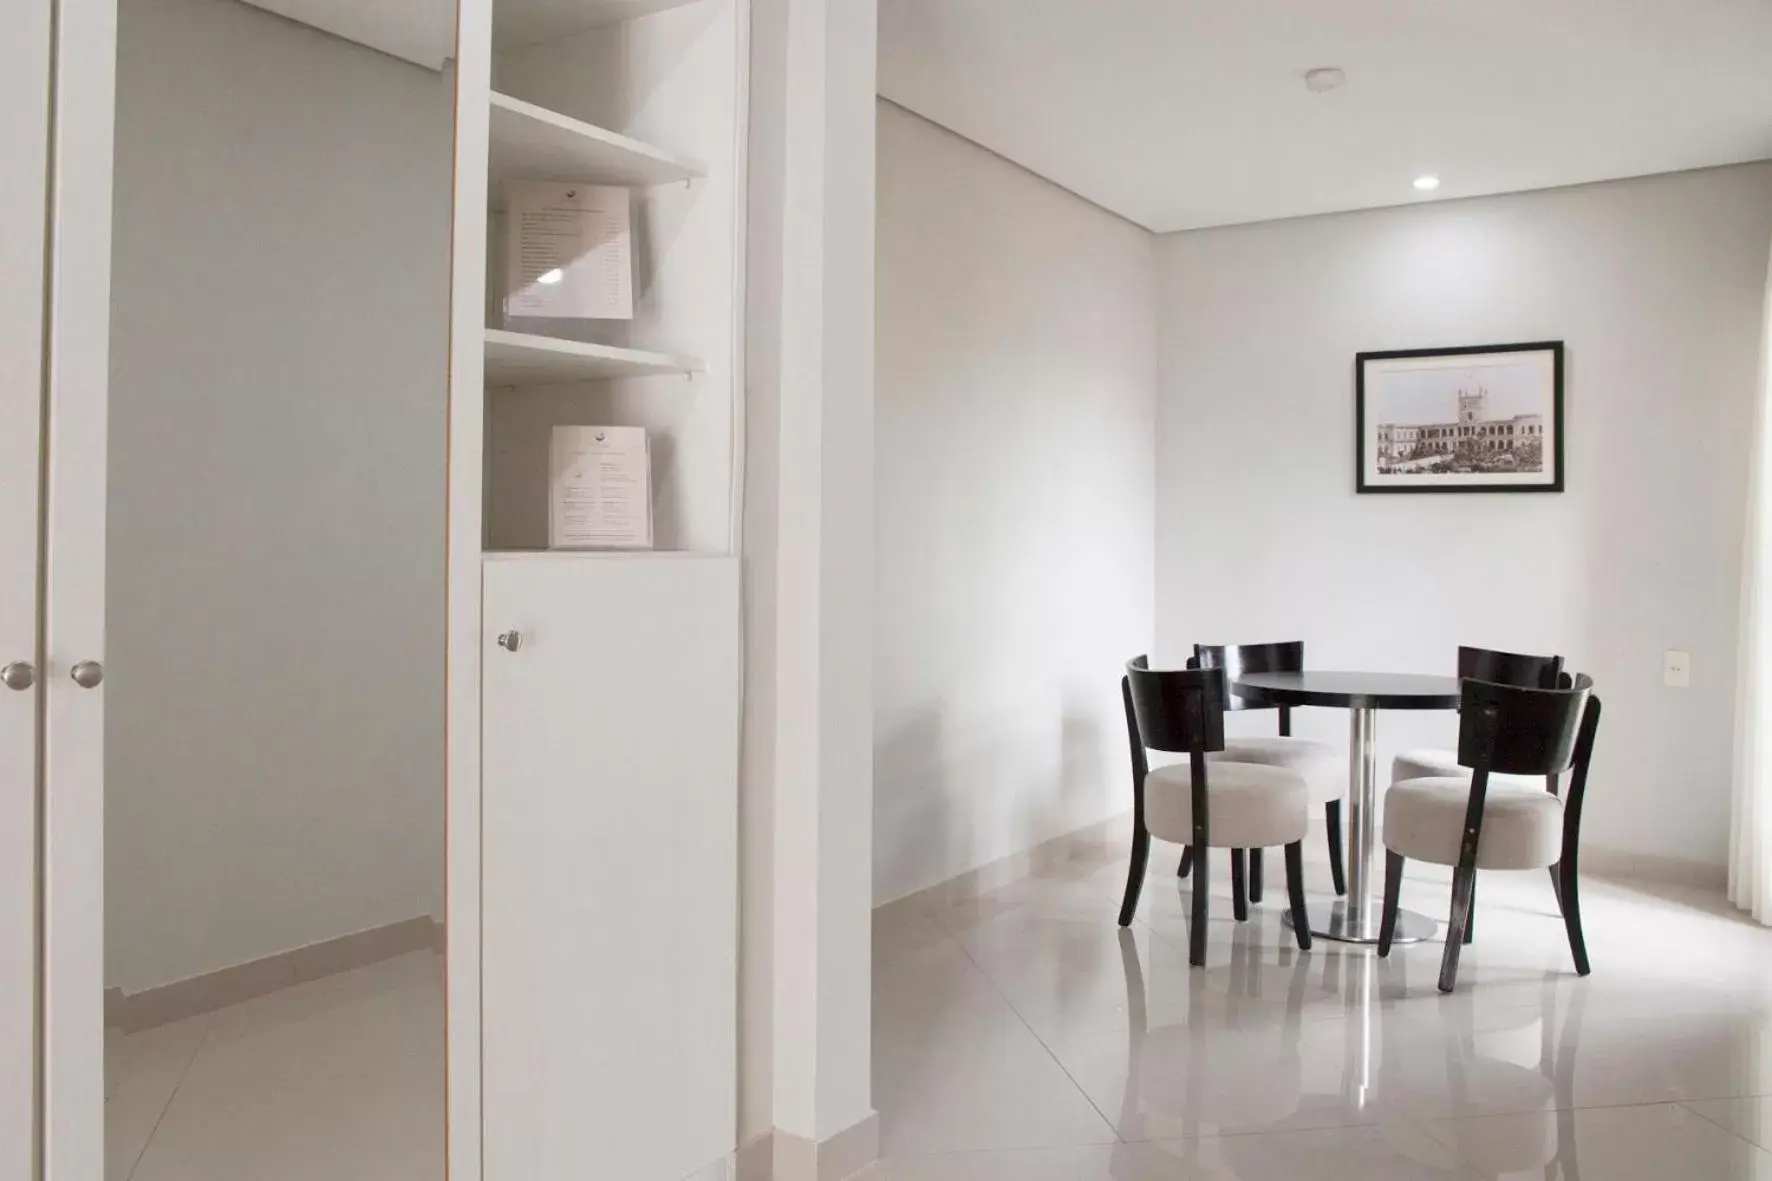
x,y
1372,449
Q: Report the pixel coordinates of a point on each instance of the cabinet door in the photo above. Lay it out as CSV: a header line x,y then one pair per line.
x,y
56,107
79,311
610,888
24,140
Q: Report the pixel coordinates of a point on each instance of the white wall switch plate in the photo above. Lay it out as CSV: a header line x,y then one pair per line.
x,y
1676,669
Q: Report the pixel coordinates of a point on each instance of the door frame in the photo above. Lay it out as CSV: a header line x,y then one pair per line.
x,y
464,1153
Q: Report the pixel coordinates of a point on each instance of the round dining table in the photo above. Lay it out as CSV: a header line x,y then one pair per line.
x,y
1355,918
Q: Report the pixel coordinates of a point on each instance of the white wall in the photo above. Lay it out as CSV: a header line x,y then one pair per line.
x,y
1656,286
274,738
1014,512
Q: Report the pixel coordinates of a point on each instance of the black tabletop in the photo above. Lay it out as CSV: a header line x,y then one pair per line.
x,y
1344,690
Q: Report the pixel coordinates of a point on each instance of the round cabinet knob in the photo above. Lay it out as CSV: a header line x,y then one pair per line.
x,y
19,675
510,641
88,674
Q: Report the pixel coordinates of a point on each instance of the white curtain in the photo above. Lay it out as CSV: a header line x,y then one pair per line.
x,y
1750,851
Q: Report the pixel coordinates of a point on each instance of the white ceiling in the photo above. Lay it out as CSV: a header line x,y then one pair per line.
x,y
1179,114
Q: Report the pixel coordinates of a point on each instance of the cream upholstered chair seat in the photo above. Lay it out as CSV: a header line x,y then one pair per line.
x,y
1522,825
1323,767
1249,806
1443,764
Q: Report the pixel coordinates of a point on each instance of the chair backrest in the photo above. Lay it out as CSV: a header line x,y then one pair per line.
x,y
1237,660
1179,711
1509,668
1515,730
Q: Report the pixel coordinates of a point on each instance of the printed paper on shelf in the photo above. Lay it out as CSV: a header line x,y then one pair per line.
x,y
569,251
601,478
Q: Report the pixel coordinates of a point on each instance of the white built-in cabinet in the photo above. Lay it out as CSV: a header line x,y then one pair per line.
x,y
594,697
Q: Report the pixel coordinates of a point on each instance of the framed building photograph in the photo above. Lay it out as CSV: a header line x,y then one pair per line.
x,y
1488,418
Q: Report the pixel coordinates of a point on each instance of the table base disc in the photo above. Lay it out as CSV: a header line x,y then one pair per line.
x,y
1329,920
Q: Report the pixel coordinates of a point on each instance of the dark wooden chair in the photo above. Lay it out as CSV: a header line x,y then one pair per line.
x,y
1499,668
1204,803
1324,767
1479,823
1480,664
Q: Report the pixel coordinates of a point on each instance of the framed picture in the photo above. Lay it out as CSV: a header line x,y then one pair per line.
x,y
1483,419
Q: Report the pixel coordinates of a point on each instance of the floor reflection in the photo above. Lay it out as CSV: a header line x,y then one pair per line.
x,y
1024,1035
1237,1061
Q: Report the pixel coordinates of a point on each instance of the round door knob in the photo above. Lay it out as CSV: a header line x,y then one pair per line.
x,y
19,675
510,641
88,673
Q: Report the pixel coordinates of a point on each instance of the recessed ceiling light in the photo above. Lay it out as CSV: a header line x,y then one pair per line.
x,y
1427,184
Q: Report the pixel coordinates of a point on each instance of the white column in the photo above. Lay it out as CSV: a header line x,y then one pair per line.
x,y
809,544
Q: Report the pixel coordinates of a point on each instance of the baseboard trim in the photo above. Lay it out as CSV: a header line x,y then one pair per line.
x,y
723,1169
1652,868
1085,849
1095,845
782,1156
133,1012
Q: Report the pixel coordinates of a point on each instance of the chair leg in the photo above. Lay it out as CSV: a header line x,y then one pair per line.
x,y
1254,875
1187,861
1463,881
1141,855
1332,821
1556,877
1196,944
1470,920
1301,921
1393,890
1570,896
1239,894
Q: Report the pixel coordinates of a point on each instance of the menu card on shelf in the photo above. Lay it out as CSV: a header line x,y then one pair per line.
x,y
601,478
568,252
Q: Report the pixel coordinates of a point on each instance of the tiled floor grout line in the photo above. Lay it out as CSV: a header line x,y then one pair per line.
x,y
1686,1104
183,1073
1574,1107
1112,1126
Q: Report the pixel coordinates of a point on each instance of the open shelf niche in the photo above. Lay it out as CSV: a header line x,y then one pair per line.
x,y
639,94
519,23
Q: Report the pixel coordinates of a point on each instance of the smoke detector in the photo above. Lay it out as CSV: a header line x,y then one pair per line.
x,y
1324,78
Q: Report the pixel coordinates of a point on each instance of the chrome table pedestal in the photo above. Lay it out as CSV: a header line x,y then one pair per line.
x,y
1355,919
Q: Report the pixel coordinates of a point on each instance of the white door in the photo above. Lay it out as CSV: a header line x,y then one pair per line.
x,y
57,82
609,899
24,140
83,111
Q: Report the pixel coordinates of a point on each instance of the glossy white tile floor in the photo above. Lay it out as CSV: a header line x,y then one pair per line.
x,y
1027,1037
1008,1046
339,1079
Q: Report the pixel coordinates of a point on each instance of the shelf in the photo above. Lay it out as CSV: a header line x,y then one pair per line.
x,y
599,555
534,143
519,358
530,22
